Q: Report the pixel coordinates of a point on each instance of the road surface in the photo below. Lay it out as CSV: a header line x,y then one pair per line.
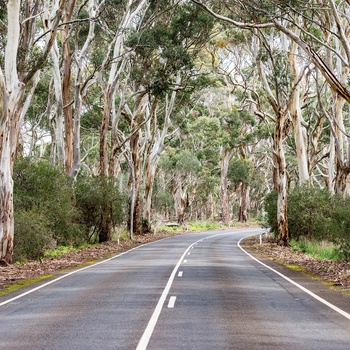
x,y
197,291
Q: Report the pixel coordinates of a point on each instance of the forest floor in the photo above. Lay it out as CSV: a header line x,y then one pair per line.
x,y
334,273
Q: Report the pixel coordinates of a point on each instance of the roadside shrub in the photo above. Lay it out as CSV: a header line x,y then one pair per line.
x,y
93,196
339,225
32,235
45,190
308,212
314,214
271,211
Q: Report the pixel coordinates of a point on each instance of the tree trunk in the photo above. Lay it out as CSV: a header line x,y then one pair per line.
x,y
225,198
11,104
243,203
150,172
56,76
341,143
66,89
6,196
11,95
180,200
282,217
137,163
105,234
295,108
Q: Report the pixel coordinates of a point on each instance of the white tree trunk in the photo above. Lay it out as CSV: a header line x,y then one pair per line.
x,y
56,76
295,110
11,92
11,105
156,145
81,91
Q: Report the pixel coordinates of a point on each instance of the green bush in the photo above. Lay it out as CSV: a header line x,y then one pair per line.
x,y
271,211
45,190
32,235
308,212
338,225
94,195
314,214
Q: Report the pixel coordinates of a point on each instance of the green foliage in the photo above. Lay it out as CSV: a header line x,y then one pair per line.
x,y
169,45
318,249
192,226
93,195
58,251
43,196
271,210
206,136
241,170
314,215
338,225
308,210
181,161
33,235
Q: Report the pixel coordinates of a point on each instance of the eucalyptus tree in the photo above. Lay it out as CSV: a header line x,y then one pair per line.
x,y
164,43
284,16
205,138
181,167
239,109
27,49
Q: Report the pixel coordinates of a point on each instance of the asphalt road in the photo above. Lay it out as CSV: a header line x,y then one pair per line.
x,y
198,291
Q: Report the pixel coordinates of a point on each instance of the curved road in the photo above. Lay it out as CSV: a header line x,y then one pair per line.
x,y
197,291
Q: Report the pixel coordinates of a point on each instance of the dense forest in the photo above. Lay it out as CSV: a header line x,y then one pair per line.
x,y
124,114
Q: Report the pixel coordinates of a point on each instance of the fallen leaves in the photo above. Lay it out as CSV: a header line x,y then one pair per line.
x,y
336,273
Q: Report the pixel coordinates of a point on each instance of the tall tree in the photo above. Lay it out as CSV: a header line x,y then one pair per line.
x,y
12,89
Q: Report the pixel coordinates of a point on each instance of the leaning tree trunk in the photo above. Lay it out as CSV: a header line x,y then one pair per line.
x,y
341,145
57,81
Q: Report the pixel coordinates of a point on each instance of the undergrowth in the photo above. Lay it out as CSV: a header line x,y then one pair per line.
x,y
318,249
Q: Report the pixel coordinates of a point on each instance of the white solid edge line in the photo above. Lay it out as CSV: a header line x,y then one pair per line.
x,y
71,273
146,336
315,296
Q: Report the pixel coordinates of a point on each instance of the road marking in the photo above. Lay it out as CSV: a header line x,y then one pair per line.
x,y
189,254
171,303
185,261
315,296
180,274
146,336
69,274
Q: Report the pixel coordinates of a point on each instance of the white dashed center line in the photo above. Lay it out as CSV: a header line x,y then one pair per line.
x,y
171,303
